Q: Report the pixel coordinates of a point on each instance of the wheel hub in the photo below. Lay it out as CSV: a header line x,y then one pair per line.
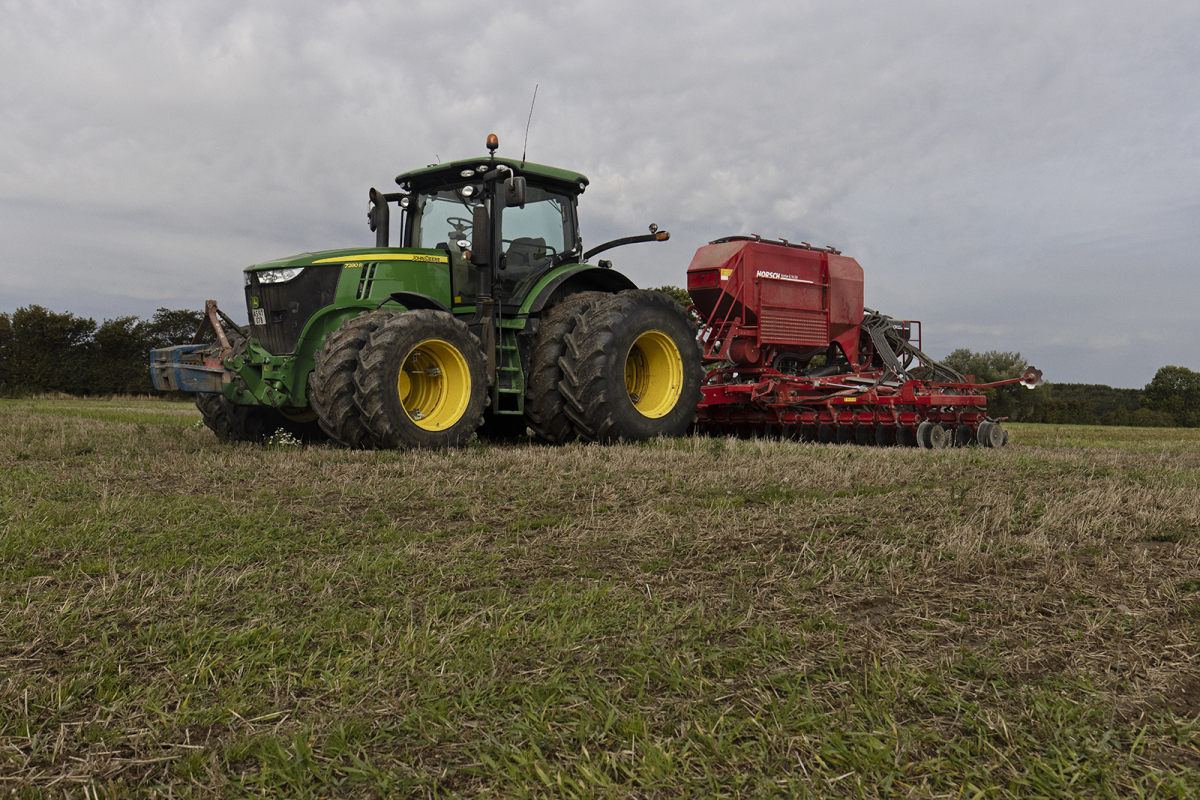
x,y
654,374
434,385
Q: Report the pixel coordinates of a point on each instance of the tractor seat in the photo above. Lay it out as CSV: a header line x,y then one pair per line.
x,y
526,252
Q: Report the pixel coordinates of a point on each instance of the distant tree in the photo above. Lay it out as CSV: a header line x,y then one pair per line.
x,y
1118,416
1148,418
986,367
1175,391
1104,399
6,334
41,350
1068,412
45,351
120,357
169,327
682,297
1012,400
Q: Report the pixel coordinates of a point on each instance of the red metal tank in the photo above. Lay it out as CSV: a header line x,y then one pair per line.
x,y
777,293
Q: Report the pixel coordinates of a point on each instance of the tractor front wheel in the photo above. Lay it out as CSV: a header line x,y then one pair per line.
x,y
631,369
421,381
331,384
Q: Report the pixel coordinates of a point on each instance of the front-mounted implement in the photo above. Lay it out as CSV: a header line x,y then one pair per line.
x,y
792,352
476,306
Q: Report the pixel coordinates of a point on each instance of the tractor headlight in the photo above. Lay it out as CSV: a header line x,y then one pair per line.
x,y
279,275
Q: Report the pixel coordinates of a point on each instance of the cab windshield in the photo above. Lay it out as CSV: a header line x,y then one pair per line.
x,y
531,236
443,219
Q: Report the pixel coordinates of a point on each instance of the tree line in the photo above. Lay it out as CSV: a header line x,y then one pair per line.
x,y
44,351
1171,399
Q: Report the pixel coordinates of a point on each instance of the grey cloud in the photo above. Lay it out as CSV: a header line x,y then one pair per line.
x,y
1008,172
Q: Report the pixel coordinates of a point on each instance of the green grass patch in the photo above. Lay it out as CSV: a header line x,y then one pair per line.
x,y
681,618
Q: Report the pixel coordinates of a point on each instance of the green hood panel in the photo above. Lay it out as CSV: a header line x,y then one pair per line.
x,y
356,254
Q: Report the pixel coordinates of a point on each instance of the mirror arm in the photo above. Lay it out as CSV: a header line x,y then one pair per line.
x,y
660,236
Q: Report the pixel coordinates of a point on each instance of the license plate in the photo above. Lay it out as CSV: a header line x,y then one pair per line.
x,y
260,316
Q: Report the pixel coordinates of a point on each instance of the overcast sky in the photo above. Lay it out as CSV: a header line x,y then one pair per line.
x,y
1017,175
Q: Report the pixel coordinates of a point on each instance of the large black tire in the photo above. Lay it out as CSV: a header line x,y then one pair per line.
x,y
545,407
421,381
631,369
237,423
230,421
331,384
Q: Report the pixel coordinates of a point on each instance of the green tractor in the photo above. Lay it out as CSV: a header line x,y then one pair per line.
x,y
487,317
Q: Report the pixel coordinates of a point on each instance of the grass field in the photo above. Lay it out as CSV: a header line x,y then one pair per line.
x,y
691,617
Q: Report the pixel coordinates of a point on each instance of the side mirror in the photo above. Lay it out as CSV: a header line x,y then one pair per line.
x,y
479,236
514,192
377,217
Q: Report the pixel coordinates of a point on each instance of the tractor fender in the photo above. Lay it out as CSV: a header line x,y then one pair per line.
x,y
572,278
415,300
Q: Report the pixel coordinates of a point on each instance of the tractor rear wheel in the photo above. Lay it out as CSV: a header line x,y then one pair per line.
x,y
631,369
331,384
545,407
421,381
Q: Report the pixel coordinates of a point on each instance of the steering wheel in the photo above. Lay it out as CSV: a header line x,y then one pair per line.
x,y
461,225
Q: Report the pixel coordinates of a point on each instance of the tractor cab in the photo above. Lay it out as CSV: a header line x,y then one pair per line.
x,y
533,237
503,223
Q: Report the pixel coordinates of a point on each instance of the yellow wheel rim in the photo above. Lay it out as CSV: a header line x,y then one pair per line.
x,y
654,374
434,385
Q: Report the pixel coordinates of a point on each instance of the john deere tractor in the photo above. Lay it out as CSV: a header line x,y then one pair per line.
x,y
487,313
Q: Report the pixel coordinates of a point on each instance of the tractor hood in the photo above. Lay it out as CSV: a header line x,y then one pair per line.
x,y
347,256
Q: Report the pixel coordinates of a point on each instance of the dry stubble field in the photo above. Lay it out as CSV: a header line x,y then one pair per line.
x,y
692,617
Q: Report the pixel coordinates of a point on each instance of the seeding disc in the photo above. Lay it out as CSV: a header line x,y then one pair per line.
x,y
923,435
994,437
938,437
864,435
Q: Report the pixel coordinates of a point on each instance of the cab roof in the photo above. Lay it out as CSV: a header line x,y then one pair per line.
x,y
451,173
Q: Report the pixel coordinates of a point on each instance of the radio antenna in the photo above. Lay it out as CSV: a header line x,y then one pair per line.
x,y
525,149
